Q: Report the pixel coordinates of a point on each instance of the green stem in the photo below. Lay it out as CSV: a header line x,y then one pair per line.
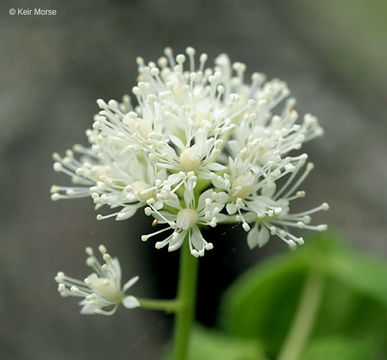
x,y
304,318
186,295
155,304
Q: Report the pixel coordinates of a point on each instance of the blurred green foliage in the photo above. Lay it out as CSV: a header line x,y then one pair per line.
x,y
351,35
210,344
336,347
258,309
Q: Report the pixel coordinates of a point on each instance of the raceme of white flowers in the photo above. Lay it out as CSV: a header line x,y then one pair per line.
x,y
101,291
202,146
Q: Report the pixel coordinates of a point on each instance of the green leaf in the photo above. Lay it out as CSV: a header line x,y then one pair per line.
x,y
261,304
209,344
336,348
365,274
264,305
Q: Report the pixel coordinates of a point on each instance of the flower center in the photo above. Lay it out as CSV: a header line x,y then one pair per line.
x,y
107,288
241,187
187,218
203,113
189,159
98,172
138,125
256,151
202,116
141,189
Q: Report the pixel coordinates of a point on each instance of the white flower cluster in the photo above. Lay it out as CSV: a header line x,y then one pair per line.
x,y
101,291
201,147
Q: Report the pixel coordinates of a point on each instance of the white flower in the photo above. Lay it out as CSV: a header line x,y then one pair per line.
x,y
196,132
186,221
101,290
109,182
269,208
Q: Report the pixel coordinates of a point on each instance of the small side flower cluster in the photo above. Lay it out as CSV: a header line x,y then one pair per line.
x,y
101,291
201,147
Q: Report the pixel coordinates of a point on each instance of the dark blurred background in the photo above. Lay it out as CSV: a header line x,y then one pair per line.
x,y
333,55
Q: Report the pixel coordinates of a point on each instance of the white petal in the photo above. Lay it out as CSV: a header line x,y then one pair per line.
x,y
205,174
92,278
100,311
263,236
177,141
189,196
87,308
117,268
130,302
231,208
158,205
222,197
176,242
182,222
268,190
252,237
197,239
216,167
202,199
130,283
234,146
173,179
128,212
218,182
